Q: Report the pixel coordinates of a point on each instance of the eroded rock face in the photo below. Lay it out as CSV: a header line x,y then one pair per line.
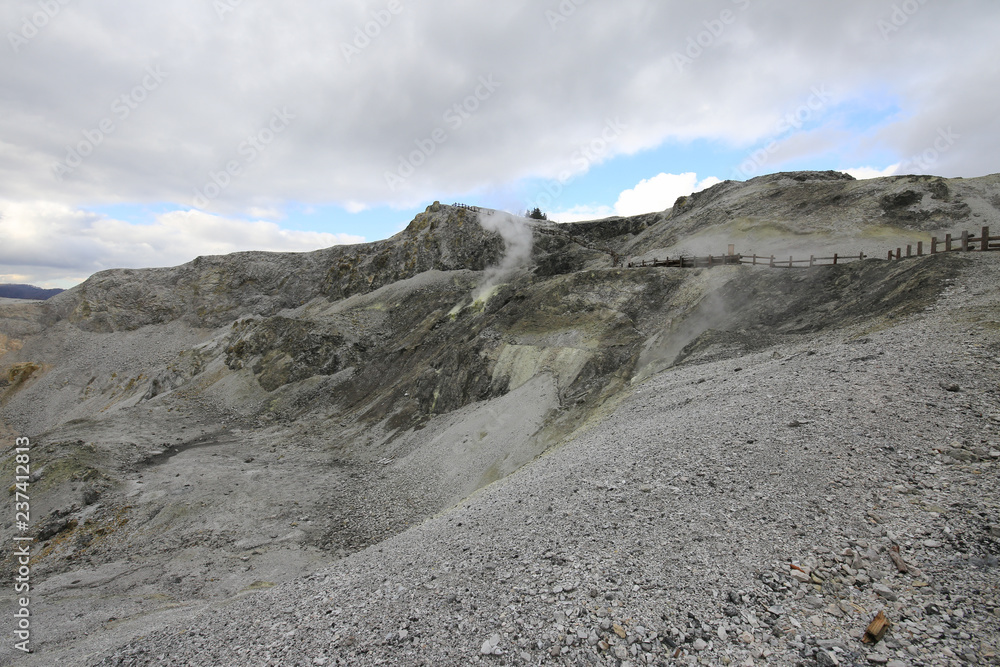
x,y
213,291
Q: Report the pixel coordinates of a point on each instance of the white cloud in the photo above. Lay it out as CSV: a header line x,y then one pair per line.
x,y
649,195
352,120
582,213
862,173
355,207
660,192
46,242
266,213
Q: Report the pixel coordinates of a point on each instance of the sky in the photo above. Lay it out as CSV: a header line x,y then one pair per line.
x,y
147,134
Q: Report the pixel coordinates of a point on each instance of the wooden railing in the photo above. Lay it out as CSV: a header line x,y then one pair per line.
x,y
791,262
965,242
690,262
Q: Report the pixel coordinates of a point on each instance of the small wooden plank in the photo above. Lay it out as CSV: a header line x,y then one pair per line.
x,y
876,629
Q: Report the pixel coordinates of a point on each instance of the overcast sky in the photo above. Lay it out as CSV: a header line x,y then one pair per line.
x,y
146,134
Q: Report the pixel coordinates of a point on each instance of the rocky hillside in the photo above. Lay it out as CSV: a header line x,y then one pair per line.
x,y
791,211
204,433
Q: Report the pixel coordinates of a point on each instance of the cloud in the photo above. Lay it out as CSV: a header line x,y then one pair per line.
x,y
660,192
266,213
46,242
649,195
355,207
419,80
582,213
862,173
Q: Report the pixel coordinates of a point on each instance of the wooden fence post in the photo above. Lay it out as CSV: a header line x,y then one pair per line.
x,y
899,253
920,248
772,261
812,260
909,251
890,256
934,243
834,259
947,242
984,242
965,241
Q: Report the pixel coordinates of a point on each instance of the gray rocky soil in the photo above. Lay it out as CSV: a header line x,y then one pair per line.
x,y
366,456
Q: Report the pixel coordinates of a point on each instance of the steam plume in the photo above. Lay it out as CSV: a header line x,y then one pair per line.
x,y
517,238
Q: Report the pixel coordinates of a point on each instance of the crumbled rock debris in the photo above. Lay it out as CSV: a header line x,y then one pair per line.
x,y
753,543
347,458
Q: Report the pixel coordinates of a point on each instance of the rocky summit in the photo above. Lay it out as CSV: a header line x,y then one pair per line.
x,y
490,440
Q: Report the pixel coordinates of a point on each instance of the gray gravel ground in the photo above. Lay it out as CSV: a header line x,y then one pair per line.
x,y
733,512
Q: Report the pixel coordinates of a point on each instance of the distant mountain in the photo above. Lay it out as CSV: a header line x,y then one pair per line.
x,y
27,292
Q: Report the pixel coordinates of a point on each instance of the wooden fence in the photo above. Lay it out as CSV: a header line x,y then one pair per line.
x,y
792,263
964,243
474,209
690,262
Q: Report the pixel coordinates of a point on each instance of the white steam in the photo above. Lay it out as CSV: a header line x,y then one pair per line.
x,y
517,238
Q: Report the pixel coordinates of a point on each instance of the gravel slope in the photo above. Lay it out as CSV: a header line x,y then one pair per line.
x,y
665,534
